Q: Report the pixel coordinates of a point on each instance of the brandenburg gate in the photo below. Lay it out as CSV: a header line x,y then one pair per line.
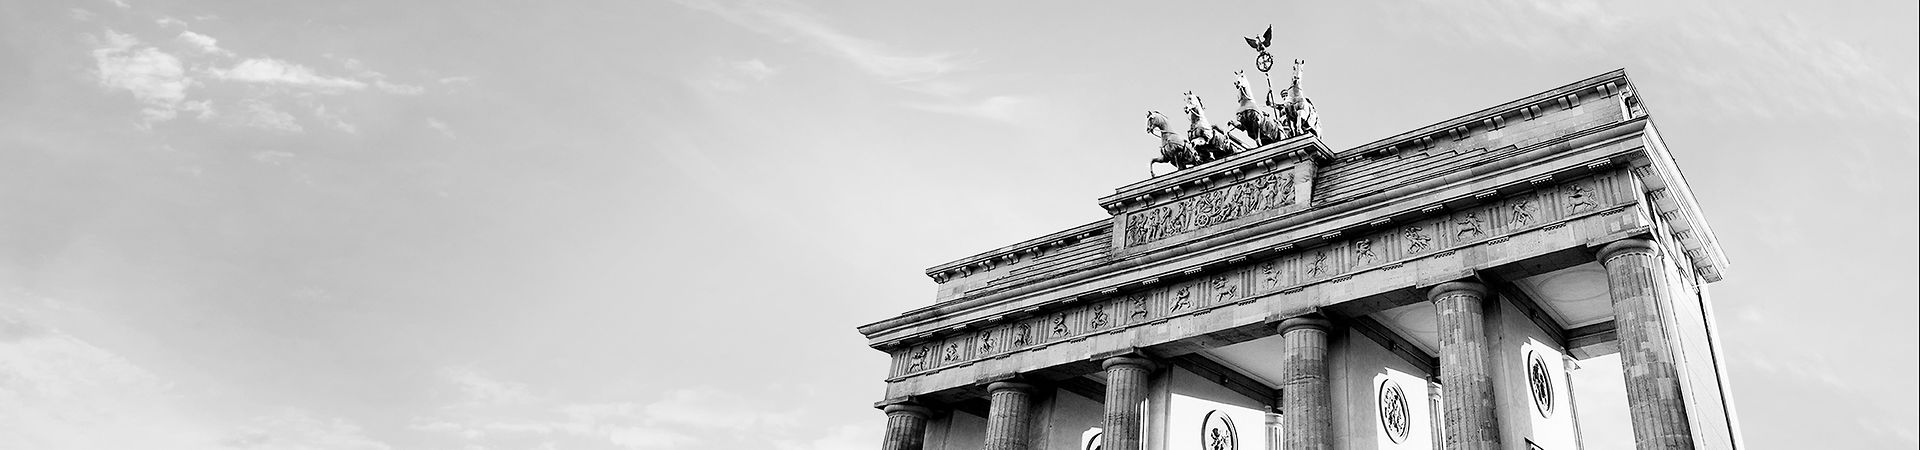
x,y
1428,290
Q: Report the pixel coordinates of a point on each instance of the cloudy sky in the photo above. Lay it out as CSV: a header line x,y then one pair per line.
x,y
634,225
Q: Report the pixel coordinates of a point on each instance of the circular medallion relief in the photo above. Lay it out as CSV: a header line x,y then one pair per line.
x,y
1540,382
1394,418
1217,432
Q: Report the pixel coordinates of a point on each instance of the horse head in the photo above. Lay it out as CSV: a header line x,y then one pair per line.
x,y
1195,108
1245,89
1299,71
1157,123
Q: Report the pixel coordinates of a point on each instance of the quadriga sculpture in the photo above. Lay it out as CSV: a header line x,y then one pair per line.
x,y
1254,119
1296,111
1174,148
1209,141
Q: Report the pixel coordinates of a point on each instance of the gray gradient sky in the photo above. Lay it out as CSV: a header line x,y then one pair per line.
x,y
612,224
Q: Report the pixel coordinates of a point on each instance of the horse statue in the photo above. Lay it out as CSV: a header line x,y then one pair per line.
x,y
1256,120
1296,111
1174,148
1209,141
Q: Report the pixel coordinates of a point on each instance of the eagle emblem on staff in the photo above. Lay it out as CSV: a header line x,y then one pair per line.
x,y
1263,60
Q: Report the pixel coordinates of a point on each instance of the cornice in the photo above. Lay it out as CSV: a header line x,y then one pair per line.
x,y
1672,200
1305,147
1310,227
1025,249
1496,117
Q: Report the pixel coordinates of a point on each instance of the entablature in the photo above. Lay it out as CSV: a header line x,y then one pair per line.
x,y
1546,165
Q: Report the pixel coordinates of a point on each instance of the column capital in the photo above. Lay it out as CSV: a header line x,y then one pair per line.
x,y
1302,322
1442,289
1630,245
1126,360
998,386
907,408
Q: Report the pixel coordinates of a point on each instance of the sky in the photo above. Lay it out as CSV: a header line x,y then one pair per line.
x,y
642,224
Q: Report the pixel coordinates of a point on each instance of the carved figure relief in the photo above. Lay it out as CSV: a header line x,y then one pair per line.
x,y
1099,318
1218,433
951,353
1417,239
1286,188
1182,298
1522,209
1269,276
1363,251
1139,303
1060,324
1393,411
1210,208
1023,334
919,359
1225,289
1579,198
1540,382
1319,264
986,342
1470,225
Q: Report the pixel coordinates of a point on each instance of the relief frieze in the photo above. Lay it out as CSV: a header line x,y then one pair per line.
x,y
1469,225
1333,261
1182,299
1363,252
1219,206
1418,240
1137,307
1520,211
1225,289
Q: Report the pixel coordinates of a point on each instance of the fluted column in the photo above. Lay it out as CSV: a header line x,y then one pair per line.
x,y
1126,398
1654,400
906,427
1008,416
1467,384
1306,402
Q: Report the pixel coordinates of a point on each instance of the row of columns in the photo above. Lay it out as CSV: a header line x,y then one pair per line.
x,y
1011,402
1470,419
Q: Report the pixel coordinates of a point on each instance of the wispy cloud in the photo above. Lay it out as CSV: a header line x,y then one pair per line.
x,y
1004,108
206,44
441,127
926,73
277,72
479,390
189,79
58,391
294,429
488,410
755,69
728,77
154,77
258,113
789,21
1748,64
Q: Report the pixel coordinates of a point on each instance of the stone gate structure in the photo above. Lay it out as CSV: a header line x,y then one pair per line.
x,y
1428,290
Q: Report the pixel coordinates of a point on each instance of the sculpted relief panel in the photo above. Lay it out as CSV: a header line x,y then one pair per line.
x,y
1384,247
1212,208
